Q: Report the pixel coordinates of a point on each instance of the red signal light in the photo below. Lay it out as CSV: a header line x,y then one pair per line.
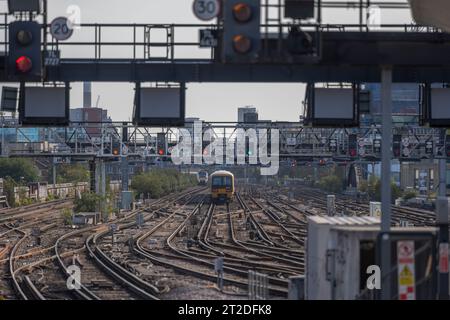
x,y
242,44
161,152
242,12
24,64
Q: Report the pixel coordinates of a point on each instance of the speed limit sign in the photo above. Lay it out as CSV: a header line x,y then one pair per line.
x,y
206,9
60,29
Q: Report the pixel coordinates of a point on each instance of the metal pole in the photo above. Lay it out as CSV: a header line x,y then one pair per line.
x,y
103,178
319,11
3,138
361,4
45,23
386,156
442,224
76,140
97,177
125,173
54,172
125,180
103,189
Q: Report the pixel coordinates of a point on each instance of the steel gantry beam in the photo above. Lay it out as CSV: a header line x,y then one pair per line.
x,y
345,52
117,71
417,54
296,142
418,57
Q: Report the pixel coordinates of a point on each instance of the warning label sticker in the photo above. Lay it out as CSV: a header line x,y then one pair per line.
x,y
406,270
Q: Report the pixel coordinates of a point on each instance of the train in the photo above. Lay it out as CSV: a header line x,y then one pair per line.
x,y
222,187
202,177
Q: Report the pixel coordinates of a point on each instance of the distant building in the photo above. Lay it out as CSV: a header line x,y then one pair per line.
x,y
249,113
405,98
93,115
22,135
189,123
87,95
405,103
89,114
251,117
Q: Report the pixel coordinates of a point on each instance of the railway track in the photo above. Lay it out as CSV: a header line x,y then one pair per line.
x,y
23,260
239,257
12,235
181,236
192,263
33,210
348,206
102,278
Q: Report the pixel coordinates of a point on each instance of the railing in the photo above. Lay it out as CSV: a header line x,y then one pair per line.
x,y
178,42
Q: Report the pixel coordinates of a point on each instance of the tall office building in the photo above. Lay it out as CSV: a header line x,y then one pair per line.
x,y
247,114
87,95
405,103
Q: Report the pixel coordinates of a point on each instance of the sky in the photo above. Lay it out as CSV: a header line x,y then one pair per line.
x,y
211,102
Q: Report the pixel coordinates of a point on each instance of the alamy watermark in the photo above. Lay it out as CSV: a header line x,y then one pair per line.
x,y
374,280
252,144
73,14
74,280
374,17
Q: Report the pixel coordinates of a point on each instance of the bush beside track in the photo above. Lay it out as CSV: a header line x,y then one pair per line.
x,y
157,183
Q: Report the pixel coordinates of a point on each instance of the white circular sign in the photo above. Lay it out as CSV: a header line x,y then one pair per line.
x,y
60,29
206,9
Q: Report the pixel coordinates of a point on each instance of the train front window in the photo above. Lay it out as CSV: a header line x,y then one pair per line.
x,y
217,181
222,182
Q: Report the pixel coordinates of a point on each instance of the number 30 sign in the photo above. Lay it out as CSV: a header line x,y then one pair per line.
x,y
206,9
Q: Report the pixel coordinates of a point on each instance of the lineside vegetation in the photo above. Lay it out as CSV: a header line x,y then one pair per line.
x,y
157,183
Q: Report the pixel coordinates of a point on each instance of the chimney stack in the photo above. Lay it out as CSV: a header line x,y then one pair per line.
x,y
87,95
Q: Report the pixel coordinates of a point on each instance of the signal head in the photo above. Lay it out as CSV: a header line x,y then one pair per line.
x,y
242,12
242,44
24,37
24,64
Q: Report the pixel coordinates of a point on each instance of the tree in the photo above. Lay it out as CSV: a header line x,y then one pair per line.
x,y
374,190
89,202
155,184
68,173
410,195
8,188
331,184
364,186
19,170
66,214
